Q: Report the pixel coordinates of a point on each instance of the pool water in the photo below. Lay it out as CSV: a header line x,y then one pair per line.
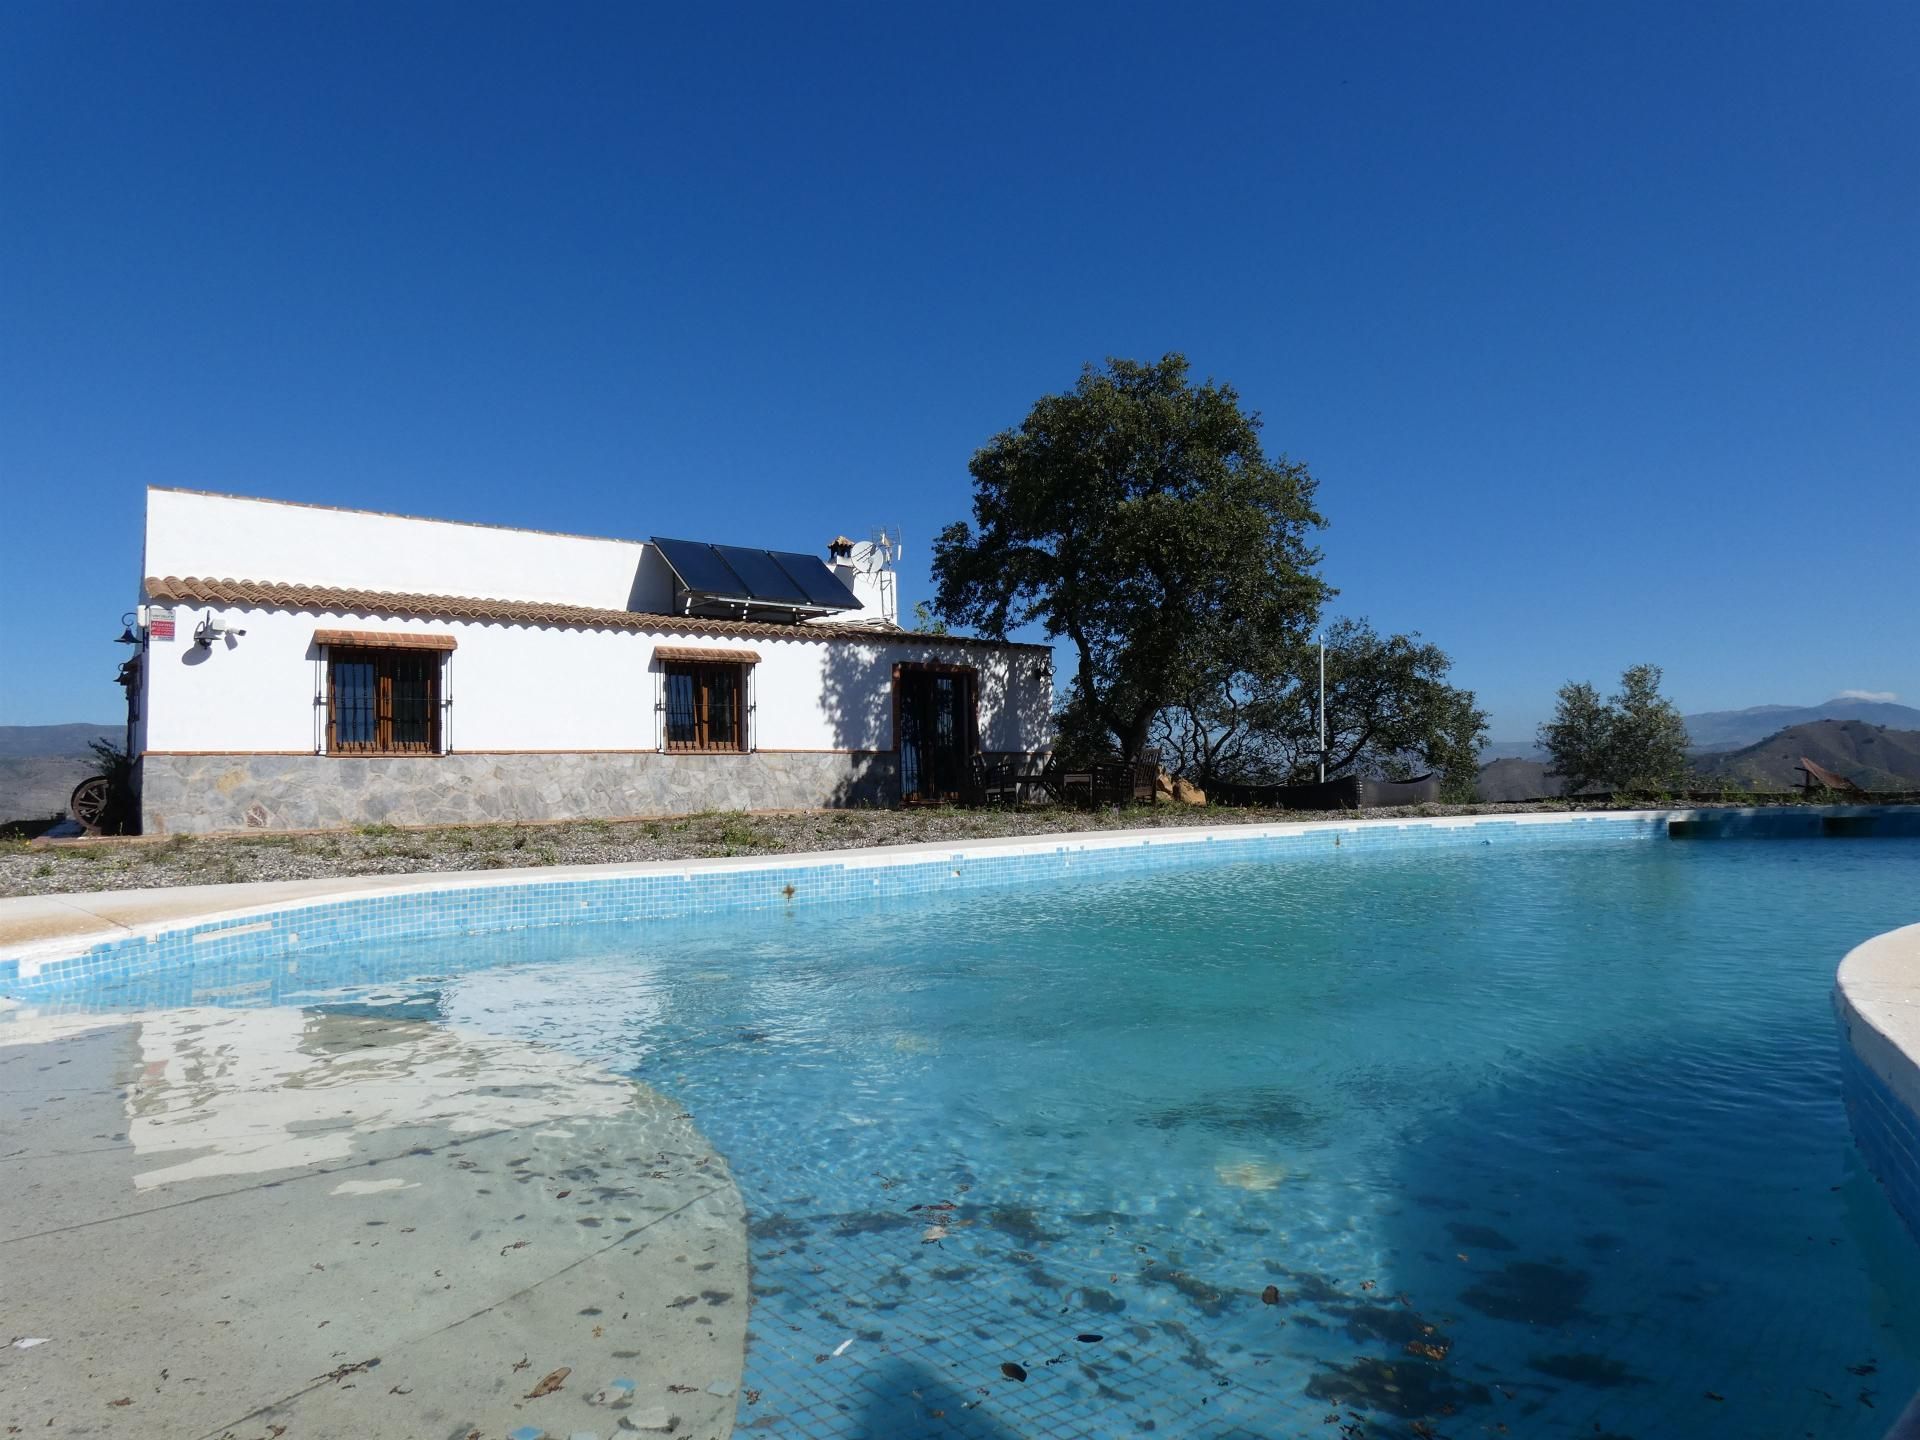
x,y
1460,1142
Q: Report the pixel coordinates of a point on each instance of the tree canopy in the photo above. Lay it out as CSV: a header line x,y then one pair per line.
x,y
1634,741
1138,518
1390,712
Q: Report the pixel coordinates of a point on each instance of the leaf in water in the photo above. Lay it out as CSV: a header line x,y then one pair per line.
x,y
550,1382
1270,1295
1013,1371
522,1363
933,1235
516,1245
689,1389
123,1400
1089,1339
563,1194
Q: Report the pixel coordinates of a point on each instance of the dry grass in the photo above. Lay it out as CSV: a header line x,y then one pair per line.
x,y
36,869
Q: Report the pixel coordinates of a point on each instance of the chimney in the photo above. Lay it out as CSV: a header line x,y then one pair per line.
x,y
866,568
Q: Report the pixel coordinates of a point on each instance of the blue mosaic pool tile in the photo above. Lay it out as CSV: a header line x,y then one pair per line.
x,y
466,907
1888,1134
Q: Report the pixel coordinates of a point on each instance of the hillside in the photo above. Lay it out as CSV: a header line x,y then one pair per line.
x,y
1513,778
1510,750
56,739
35,787
40,765
1872,756
1739,729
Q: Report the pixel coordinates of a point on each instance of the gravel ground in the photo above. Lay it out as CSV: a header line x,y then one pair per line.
x,y
42,868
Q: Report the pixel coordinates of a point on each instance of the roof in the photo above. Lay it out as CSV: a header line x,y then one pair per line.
x,y
1825,778
385,639
333,600
693,655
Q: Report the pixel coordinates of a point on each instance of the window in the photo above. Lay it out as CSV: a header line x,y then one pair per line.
x,y
383,701
705,705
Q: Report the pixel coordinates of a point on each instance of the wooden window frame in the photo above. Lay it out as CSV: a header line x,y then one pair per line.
x,y
701,673
384,660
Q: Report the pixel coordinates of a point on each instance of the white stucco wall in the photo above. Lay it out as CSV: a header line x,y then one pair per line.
x,y
511,687
516,687
229,537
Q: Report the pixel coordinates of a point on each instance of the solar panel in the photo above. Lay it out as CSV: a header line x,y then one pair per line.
x,y
700,569
766,581
811,574
774,578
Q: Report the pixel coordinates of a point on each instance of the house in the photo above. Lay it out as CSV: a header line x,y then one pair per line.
x,y
307,666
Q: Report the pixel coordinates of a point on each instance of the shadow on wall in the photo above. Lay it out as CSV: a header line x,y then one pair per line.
x,y
856,700
652,590
1026,681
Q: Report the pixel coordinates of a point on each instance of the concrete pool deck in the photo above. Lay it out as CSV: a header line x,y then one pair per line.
x,y
289,1223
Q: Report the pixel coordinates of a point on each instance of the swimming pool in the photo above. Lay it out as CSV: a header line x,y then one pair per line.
x,y
1547,1138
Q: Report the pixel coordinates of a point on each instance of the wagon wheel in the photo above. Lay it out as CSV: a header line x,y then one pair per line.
x,y
88,803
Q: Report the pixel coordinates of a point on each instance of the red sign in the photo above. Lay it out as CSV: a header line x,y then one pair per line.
x,y
160,622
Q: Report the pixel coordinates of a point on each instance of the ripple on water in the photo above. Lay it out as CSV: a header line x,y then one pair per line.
x,y
1517,1135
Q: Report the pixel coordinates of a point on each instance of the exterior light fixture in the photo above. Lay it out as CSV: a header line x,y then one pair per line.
x,y
127,637
206,632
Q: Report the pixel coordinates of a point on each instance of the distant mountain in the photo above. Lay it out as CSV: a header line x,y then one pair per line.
x,y
1872,756
35,787
1510,750
1735,729
56,739
40,765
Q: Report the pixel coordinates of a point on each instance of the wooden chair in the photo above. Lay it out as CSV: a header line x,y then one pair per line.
x,y
993,783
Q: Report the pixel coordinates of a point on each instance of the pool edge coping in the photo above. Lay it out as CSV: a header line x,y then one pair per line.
x,y
1876,999
232,905
151,914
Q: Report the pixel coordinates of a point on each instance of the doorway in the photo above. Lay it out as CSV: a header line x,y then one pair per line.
x,y
937,728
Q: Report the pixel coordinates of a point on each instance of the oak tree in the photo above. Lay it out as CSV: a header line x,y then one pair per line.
x,y
1138,518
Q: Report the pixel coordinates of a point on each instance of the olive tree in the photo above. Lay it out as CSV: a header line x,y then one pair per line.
x,y
1634,741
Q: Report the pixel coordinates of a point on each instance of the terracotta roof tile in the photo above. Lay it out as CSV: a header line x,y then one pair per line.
x,y
385,639
333,600
691,656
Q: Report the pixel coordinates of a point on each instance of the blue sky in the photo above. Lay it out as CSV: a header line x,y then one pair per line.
x,y
1599,325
